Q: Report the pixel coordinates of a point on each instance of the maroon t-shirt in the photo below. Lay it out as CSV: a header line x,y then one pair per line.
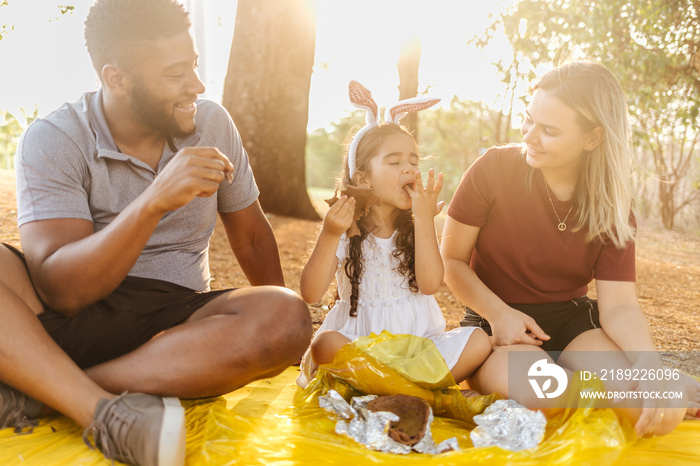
x,y
520,254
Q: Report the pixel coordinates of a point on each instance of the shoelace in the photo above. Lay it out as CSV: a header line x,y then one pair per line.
x,y
17,418
112,441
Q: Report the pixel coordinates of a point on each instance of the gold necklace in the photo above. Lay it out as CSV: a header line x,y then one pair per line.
x,y
562,223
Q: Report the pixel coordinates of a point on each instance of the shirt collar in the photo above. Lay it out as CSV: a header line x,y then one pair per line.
x,y
103,137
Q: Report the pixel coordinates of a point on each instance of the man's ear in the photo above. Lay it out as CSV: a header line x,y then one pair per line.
x,y
362,179
594,138
118,81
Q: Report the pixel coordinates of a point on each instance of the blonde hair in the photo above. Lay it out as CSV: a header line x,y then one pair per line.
x,y
603,196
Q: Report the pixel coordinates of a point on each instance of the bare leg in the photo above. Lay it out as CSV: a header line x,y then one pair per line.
x,y
325,345
492,376
240,336
475,352
30,360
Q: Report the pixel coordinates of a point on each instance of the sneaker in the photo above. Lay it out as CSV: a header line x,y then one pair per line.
x,y
138,429
17,410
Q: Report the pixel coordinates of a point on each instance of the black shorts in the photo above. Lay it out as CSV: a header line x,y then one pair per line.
x,y
562,321
135,312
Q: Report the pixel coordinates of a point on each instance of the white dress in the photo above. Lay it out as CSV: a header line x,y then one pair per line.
x,y
385,303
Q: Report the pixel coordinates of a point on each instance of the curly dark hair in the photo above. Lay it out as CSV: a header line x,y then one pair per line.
x,y
404,242
115,28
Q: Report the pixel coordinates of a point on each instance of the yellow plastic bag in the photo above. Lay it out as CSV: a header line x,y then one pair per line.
x,y
395,364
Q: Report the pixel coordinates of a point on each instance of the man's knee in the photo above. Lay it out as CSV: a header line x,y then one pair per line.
x,y
289,307
289,320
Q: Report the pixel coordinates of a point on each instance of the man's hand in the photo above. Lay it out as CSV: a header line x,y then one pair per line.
x,y
424,200
193,172
515,327
339,217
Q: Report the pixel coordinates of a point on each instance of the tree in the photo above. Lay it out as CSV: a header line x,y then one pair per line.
x,y
266,91
409,59
653,47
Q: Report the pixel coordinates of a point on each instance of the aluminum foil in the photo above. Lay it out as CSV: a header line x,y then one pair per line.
x,y
370,428
335,403
508,425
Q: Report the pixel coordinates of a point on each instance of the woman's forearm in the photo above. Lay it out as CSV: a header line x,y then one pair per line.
x,y
628,329
471,291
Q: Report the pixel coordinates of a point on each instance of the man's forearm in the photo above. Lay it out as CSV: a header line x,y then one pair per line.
x,y
260,260
73,267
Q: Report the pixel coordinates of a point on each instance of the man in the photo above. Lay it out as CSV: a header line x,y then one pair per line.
x,y
118,196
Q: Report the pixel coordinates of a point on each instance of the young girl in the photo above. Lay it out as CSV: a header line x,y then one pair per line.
x,y
387,273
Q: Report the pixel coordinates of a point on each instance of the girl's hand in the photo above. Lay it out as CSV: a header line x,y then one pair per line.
x,y
339,217
425,203
515,327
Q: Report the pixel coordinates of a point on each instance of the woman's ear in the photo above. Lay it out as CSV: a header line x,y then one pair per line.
x,y
116,79
594,138
361,179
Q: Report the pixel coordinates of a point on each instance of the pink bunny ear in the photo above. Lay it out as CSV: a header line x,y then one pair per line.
x,y
396,112
361,97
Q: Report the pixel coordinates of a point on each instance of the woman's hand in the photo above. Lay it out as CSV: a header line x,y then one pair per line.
x,y
513,327
653,410
339,217
424,199
658,412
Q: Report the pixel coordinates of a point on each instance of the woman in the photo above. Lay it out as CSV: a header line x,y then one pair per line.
x,y
532,224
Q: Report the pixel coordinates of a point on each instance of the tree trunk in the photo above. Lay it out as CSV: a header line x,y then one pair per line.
x,y
409,59
666,203
267,94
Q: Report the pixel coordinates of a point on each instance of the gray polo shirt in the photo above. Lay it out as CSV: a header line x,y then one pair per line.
x,y
68,166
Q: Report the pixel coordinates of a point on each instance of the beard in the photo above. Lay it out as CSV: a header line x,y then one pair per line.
x,y
153,112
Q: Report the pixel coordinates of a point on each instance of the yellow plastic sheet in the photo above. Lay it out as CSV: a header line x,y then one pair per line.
x,y
260,425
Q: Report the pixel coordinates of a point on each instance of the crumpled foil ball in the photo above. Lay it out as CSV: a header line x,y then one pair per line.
x,y
508,425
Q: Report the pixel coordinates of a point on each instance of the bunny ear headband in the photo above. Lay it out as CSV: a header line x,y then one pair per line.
x,y
361,97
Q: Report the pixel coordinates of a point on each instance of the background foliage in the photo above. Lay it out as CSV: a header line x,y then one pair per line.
x,y
653,47
10,130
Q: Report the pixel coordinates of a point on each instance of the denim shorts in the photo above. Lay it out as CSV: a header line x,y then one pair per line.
x,y
562,321
136,311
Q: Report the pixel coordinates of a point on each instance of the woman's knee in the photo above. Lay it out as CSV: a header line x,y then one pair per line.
x,y
500,366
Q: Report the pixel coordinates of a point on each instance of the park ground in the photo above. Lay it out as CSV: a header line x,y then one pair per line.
x,y
668,274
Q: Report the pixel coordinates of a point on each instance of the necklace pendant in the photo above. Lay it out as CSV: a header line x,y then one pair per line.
x,y
562,226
